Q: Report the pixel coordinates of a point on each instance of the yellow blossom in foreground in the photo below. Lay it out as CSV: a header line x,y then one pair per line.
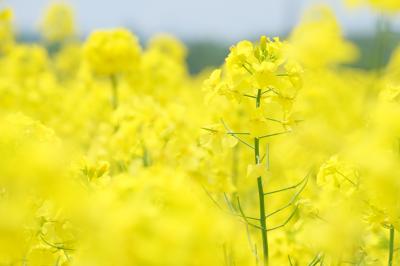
x,y
285,153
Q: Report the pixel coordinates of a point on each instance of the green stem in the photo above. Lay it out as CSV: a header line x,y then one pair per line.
x,y
263,223
391,246
258,98
146,156
114,91
257,150
264,235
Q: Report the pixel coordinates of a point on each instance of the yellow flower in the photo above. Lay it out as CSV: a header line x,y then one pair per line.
x,y
380,5
318,41
27,61
212,85
6,30
258,125
68,60
391,93
255,170
110,52
249,66
241,55
216,137
58,23
169,46
336,174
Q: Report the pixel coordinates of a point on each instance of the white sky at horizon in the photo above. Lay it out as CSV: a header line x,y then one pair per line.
x,y
225,20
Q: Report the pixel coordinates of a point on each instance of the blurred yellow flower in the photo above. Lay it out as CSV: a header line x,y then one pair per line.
x,y
318,40
110,52
6,30
390,6
58,23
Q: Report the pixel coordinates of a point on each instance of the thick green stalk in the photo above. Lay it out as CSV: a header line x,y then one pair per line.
x,y
261,199
391,246
263,224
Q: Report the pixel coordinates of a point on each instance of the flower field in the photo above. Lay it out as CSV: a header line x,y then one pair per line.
x,y
111,153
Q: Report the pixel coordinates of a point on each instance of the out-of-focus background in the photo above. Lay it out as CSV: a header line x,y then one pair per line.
x,y
209,27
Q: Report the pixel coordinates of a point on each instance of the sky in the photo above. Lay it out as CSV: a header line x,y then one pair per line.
x,y
229,20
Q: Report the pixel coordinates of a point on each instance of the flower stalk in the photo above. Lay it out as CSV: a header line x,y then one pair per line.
x,y
114,91
263,223
391,245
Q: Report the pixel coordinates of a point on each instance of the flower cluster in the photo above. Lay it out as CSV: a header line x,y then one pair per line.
x,y
111,52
